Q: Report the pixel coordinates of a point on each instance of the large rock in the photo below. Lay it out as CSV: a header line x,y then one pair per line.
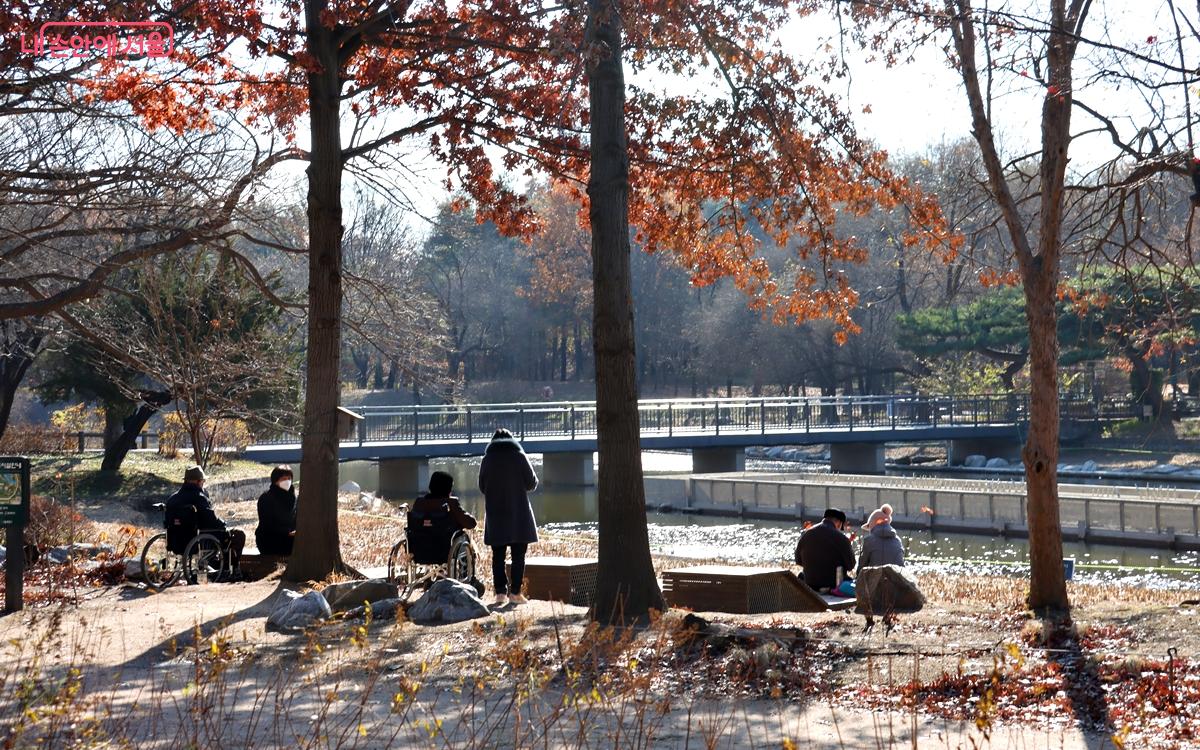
x,y
448,601
384,609
1089,466
351,486
975,461
299,611
887,589
60,555
133,568
344,596
996,463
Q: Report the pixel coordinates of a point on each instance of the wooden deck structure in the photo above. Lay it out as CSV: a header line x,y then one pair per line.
x,y
571,580
744,590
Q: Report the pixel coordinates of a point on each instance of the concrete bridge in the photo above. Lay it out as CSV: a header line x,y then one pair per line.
x,y
717,431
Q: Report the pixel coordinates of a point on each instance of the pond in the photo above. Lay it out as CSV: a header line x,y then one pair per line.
x,y
763,542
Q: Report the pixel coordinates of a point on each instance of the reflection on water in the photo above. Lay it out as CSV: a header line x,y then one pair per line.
x,y
573,509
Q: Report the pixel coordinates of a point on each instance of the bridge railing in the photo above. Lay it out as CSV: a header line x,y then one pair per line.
x,y
568,420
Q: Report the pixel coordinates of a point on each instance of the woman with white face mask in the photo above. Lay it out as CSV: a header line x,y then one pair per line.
x,y
277,515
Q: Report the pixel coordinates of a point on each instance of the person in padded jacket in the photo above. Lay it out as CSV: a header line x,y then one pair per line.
x,y
505,479
881,544
276,530
823,548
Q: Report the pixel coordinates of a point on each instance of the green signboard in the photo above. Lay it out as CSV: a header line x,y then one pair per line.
x,y
14,491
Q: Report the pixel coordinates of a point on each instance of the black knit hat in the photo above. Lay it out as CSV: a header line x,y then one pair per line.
x,y
440,484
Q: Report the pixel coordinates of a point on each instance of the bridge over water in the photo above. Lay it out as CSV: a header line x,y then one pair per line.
x,y
717,431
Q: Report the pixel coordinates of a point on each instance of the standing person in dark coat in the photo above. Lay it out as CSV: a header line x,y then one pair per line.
x,y
822,549
276,530
505,478
189,512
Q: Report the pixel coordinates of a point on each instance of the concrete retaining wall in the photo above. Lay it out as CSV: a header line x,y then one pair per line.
x,y
991,508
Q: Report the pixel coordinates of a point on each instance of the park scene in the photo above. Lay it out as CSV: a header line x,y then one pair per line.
x,y
599,374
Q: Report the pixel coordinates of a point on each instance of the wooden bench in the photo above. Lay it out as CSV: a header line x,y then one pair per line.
x,y
256,567
564,579
744,590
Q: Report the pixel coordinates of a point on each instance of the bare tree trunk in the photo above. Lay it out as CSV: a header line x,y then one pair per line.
x,y
317,550
131,427
626,589
1047,584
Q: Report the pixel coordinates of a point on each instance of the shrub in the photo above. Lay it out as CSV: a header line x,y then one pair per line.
x,y
221,434
24,439
52,524
78,418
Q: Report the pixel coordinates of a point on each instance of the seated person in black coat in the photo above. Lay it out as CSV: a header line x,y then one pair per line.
x,y
277,515
189,512
439,498
823,549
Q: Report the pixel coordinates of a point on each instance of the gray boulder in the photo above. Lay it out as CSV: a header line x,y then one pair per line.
x,y
298,611
60,555
887,589
133,568
384,609
996,463
351,594
775,452
448,601
975,461
351,487
1090,466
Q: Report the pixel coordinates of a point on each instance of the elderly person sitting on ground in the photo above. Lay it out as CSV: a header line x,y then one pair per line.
x,y
881,543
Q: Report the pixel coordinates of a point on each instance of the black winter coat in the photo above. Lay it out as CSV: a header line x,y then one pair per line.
x,y
276,521
821,549
505,478
182,523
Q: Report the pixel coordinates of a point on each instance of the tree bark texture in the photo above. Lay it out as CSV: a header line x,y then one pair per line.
x,y
131,427
626,589
318,548
1039,273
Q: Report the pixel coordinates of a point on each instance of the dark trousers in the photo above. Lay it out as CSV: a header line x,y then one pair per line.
x,y
499,580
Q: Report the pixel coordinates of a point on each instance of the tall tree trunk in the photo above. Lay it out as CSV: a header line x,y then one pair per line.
x,y
113,418
1047,583
578,337
131,427
317,549
626,589
562,354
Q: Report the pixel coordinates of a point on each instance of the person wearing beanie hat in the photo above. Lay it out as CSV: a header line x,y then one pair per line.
x,y
823,549
439,497
881,544
276,532
189,511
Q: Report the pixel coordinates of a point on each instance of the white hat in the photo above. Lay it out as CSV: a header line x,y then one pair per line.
x,y
876,516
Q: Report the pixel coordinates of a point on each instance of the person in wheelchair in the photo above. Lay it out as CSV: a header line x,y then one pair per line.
x,y
439,499
434,521
189,512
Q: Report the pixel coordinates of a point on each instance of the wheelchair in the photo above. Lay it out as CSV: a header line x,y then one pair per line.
x,y
205,557
433,547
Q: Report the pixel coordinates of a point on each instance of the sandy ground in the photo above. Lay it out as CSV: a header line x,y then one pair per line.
x,y
147,656
195,666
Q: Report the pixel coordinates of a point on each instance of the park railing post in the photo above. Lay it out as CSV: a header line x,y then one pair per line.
x,y
416,426
717,417
762,415
470,426
522,420
572,421
670,420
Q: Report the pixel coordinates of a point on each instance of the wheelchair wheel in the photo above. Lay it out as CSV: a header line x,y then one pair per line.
x,y
160,566
461,563
401,570
205,559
